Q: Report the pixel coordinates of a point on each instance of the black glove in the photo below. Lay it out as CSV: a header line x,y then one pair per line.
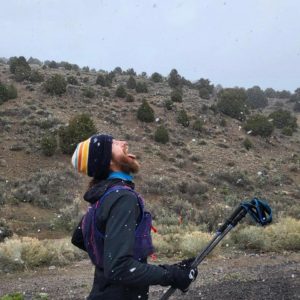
x,y
186,263
180,277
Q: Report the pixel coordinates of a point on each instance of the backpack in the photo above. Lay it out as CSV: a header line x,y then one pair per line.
x,y
89,237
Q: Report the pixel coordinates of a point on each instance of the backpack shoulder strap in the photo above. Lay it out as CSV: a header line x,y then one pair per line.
x,y
117,188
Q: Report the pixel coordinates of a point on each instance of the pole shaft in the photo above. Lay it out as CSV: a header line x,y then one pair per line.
x,y
238,214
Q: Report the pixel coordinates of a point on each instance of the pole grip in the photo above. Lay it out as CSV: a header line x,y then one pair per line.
x,y
240,216
231,218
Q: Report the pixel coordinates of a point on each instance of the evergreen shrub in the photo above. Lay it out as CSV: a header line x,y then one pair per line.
x,y
156,77
205,88
161,135
176,95
204,93
259,125
80,128
297,107
19,65
105,80
284,94
121,92
182,118
131,83
101,80
198,125
66,65
88,92
270,93
34,61
118,70
174,79
283,118
22,73
53,64
130,72
287,131
49,144
256,98
36,76
55,85
169,104
247,144
106,93
145,112
141,87
232,102
7,92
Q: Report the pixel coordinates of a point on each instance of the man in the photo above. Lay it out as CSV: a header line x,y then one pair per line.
x,y
116,229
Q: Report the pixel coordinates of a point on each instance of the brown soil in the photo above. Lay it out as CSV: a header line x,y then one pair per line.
x,y
238,276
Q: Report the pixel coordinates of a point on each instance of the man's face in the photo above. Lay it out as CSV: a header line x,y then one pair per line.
x,y
121,159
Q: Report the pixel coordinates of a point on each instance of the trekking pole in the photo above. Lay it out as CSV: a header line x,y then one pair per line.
x,y
259,211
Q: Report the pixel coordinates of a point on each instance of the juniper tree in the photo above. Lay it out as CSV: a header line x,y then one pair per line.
x,y
145,112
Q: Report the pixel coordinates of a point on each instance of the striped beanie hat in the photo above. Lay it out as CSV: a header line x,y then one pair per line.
x,y
92,156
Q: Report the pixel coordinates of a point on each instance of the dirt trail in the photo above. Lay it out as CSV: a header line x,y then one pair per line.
x,y
240,276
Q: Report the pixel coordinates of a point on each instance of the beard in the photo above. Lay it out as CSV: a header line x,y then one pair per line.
x,y
127,164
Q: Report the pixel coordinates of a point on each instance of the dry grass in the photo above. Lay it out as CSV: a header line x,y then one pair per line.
x,y
174,241
284,235
22,253
181,243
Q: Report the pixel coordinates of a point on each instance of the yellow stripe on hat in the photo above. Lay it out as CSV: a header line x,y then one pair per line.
x,y
84,156
79,156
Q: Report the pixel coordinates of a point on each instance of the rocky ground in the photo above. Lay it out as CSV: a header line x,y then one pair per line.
x,y
232,276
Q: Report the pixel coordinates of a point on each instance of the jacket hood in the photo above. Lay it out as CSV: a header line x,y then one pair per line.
x,y
96,191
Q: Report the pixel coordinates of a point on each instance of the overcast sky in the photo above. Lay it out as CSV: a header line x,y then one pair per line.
x,y
231,42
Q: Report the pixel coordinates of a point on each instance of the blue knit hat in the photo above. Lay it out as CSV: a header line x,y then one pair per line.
x,y
93,156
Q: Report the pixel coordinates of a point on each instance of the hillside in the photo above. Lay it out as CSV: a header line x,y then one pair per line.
x,y
213,162
195,179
